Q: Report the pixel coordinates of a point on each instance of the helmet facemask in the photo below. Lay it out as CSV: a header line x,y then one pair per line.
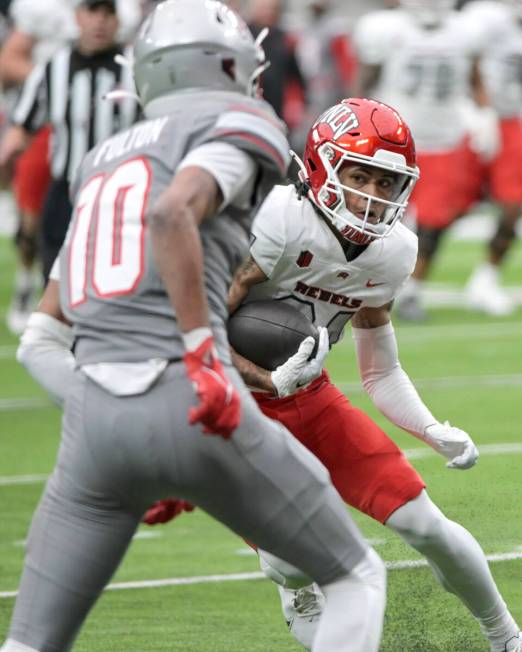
x,y
380,215
254,81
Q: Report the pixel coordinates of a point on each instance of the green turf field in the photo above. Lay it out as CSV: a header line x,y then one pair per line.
x,y
469,370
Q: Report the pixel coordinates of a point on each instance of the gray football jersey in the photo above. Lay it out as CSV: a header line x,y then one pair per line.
x,y
110,289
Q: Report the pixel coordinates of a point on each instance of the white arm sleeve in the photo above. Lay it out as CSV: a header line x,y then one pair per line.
x,y
233,170
387,383
45,351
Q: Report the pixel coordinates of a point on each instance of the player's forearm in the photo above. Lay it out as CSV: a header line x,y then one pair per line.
x,y
15,59
15,141
388,385
253,375
367,78
179,256
478,88
247,275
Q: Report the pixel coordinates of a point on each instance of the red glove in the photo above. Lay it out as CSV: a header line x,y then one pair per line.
x,y
219,410
165,510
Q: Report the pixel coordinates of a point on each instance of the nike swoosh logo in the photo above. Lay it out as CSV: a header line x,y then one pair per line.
x,y
369,284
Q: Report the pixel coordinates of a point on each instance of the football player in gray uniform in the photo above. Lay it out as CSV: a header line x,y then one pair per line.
x,y
154,407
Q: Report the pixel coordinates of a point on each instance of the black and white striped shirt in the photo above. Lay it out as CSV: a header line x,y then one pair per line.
x,y
67,92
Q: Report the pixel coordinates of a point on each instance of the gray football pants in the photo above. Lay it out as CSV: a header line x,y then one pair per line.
x,y
120,455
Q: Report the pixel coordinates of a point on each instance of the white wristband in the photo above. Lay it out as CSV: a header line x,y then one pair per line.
x,y
194,338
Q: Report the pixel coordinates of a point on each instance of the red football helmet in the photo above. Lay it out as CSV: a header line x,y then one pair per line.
x,y
359,132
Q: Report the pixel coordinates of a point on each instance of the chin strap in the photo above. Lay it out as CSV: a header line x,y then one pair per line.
x,y
301,185
120,94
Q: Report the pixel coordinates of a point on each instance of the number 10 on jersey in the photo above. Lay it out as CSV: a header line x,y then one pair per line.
x,y
106,242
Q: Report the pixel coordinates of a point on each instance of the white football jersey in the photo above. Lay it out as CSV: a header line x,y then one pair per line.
x,y
306,265
425,73
501,62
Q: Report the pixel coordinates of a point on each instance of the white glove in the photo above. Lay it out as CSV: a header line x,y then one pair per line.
x,y
453,443
483,130
298,370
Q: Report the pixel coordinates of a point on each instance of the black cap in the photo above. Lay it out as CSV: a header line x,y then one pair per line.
x,y
91,4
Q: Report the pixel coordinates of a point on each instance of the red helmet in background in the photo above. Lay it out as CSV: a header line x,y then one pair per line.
x,y
359,132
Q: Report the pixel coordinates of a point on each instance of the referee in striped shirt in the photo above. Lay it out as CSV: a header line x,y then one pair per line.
x,y
68,93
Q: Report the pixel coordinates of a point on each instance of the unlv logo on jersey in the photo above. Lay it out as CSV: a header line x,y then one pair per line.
x,y
340,118
304,259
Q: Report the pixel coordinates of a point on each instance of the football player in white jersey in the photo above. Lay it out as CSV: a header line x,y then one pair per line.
x,y
501,63
422,59
334,248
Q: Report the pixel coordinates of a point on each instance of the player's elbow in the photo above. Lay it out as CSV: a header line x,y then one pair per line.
x,y
170,216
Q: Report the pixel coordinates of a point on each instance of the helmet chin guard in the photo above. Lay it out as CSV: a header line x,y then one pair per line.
x,y
369,134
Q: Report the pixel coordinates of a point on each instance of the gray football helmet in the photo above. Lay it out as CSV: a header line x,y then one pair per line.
x,y
195,44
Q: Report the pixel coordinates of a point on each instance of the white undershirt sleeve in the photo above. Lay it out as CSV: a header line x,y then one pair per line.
x,y
45,351
388,385
269,237
233,169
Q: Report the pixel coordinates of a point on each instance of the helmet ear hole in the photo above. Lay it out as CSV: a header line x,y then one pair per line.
x,y
229,68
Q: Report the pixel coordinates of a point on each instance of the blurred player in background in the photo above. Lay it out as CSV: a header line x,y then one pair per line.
x,y
39,30
283,84
162,217
70,93
327,60
422,58
334,248
501,65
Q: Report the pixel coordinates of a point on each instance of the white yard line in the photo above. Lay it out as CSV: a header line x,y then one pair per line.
x,y
486,331
13,480
241,577
484,450
448,382
514,448
10,404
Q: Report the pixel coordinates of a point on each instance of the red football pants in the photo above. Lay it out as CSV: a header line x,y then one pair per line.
x,y
367,468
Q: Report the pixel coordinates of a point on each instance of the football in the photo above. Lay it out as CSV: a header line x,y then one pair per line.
x,y
268,332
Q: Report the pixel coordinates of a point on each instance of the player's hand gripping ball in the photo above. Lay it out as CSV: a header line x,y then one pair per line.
x,y
278,337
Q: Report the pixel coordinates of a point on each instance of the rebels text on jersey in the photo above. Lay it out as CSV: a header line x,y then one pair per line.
x,y
306,265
